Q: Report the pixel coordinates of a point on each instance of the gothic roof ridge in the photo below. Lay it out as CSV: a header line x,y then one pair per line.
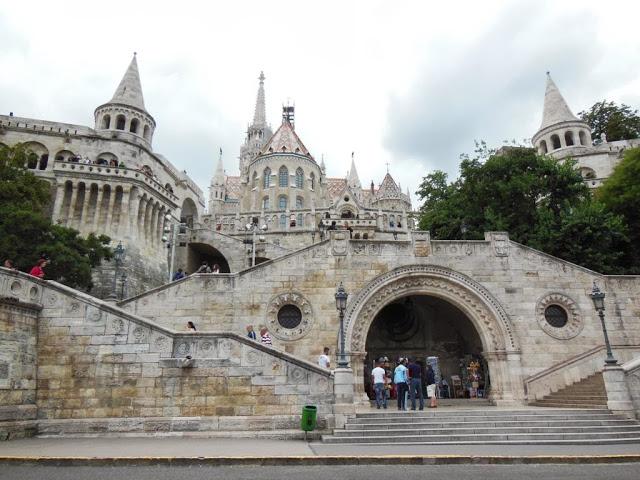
x,y
555,108
129,91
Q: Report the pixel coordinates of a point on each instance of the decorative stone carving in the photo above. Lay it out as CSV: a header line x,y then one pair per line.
x,y
359,249
574,324
486,313
52,300
421,244
500,243
339,244
183,348
33,293
16,287
292,298
116,326
374,249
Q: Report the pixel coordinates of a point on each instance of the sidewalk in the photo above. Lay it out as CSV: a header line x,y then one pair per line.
x,y
67,450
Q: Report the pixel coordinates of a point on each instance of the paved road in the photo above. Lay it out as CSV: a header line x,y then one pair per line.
x,y
459,472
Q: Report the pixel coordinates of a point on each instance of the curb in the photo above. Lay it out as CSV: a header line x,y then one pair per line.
x,y
321,460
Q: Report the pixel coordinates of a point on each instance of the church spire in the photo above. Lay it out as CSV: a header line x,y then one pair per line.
x,y
218,176
260,114
353,180
556,109
129,91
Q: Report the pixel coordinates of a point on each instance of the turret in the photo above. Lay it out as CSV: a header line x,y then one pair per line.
x,y
560,128
217,189
125,115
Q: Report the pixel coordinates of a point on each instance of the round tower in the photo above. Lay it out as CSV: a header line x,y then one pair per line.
x,y
125,115
560,128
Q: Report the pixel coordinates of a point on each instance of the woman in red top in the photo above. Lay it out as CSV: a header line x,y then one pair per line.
x,y
38,270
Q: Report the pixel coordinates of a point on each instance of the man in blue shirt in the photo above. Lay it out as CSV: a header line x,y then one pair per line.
x,y
400,378
415,372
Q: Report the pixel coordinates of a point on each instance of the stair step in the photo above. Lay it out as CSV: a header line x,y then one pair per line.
x,y
591,441
544,403
490,424
463,430
405,417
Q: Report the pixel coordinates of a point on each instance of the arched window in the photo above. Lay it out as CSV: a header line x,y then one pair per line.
x,y
265,203
568,138
300,221
44,160
267,177
133,128
555,141
145,132
543,147
299,178
106,121
120,121
282,202
283,222
312,180
299,202
254,182
583,137
283,176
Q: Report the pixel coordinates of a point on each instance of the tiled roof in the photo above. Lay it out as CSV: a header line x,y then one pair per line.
x,y
284,140
233,187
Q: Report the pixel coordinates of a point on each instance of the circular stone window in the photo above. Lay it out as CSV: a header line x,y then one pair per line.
x,y
289,316
556,316
559,316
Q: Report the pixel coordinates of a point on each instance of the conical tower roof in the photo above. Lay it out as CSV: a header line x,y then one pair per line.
x,y
556,109
260,114
353,180
129,92
388,187
284,140
218,176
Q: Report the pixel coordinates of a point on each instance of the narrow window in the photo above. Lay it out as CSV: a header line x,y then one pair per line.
x,y
283,175
299,178
267,177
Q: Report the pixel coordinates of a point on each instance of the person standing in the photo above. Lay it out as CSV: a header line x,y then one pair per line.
x,y
191,327
38,269
324,360
378,379
431,386
250,333
178,275
265,338
400,379
415,372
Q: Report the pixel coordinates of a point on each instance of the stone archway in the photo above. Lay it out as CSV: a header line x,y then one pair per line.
x,y
497,335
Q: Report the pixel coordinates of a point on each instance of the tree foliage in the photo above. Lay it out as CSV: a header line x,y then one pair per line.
x,y
26,231
539,201
617,122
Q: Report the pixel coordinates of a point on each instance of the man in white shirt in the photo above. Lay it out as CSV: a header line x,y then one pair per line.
x,y
377,378
323,360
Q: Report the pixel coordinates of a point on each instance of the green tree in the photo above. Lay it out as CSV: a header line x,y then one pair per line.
x,y
617,122
620,193
26,231
539,201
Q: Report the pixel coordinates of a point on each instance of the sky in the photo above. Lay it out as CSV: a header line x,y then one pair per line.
x,y
407,86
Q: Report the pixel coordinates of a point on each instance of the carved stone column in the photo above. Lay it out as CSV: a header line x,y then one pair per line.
x,y
123,225
343,393
96,216
618,395
58,203
112,200
72,205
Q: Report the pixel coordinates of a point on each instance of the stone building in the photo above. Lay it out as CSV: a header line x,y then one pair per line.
x,y
107,179
562,135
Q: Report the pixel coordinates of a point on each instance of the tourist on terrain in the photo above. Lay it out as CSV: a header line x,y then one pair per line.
x,y
265,338
215,268
431,386
348,227
400,378
378,379
204,268
38,269
415,372
9,264
332,226
250,333
324,360
178,275
191,327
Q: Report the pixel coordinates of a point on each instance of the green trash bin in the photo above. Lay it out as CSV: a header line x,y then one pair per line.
x,y
309,418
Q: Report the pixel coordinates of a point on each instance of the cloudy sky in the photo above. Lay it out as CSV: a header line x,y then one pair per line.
x,y
408,84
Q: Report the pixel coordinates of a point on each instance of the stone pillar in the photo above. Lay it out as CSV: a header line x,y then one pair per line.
x,y
85,210
58,203
112,200
124,226
501,380
72,205
618,396
96,215
343,395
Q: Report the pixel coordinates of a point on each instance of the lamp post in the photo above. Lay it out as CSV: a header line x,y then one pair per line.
x,y
341,305
597,296
253,227
123,285
118,256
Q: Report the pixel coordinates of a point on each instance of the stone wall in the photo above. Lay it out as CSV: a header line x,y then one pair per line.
x,y
18,364
97,363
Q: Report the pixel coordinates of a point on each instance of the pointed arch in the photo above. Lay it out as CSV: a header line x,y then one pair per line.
x,y
266,175
283,176
299,177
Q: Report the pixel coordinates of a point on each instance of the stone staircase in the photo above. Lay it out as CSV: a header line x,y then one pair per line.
x,y
488,426
588,393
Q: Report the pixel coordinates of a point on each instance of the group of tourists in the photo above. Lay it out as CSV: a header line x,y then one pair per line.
x,y
37,270
407,379
203,268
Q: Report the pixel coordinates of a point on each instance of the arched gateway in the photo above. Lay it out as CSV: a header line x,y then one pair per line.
x,y
496,334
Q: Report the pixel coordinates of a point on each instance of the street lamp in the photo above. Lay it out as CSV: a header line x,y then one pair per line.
x,y
341,305
123,285
598,302
118,257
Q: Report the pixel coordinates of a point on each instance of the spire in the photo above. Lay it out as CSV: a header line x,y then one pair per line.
x,y
322,165
556,109
260,115
129,92
218,177
353,180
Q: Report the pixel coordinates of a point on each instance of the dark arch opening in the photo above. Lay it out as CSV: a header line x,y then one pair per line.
x,y
422,327
202,252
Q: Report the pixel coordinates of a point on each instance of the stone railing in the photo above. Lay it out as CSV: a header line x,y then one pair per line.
x,y
573,370
114,172
632,376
